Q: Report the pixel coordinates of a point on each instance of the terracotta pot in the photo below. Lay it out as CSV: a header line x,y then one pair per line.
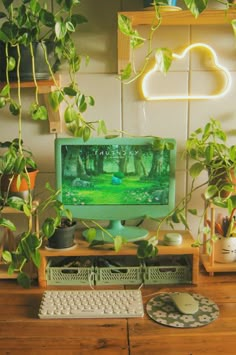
x,y
221,179
24,188
225,250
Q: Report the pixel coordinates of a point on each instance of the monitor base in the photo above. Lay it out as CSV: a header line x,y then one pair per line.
x,y
116,228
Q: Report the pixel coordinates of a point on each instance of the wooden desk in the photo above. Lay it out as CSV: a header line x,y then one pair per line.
x,y
21,332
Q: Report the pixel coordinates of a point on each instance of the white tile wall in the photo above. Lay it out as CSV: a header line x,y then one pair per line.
x,y
121,105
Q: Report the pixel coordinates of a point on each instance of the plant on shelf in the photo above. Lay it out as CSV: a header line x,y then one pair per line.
x,y
27,249
26,23
214,159
211,158
210,151
163,55
211,154
18,170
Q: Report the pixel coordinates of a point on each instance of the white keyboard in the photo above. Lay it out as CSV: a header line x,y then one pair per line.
x,y
91,304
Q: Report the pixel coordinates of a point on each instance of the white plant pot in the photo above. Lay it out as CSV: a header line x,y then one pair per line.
x,y
225,250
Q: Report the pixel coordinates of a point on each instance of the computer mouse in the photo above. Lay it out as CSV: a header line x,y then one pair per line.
x,y
184,302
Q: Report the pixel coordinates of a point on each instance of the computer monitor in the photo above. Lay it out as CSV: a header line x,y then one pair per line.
x,y
116,179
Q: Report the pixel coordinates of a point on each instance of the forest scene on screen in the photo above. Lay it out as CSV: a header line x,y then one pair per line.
x,y
114,175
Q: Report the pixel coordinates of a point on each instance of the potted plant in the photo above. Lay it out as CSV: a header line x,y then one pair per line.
x,y
18,170
27,249
63,237
29,26
24,23
209,150
210,156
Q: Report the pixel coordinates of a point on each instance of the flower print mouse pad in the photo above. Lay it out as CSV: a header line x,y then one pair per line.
x,y
162,310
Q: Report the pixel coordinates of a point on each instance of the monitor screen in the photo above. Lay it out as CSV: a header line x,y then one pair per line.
x,y
116,179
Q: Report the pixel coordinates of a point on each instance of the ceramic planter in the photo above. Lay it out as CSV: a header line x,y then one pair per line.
x,y
225,250
63,237
41,67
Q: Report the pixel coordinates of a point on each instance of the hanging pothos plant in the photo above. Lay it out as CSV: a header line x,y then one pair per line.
x,y
163,55
26,22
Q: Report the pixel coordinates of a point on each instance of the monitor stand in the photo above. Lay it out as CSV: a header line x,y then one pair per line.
x,y
116,228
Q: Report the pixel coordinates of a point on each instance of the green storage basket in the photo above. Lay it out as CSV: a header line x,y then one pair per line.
x,y
168,270
70,271
118,271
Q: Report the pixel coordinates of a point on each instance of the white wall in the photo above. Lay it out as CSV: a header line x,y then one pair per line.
x,y
120,105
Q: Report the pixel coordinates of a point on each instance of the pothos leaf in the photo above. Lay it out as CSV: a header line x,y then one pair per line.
x,y
163,59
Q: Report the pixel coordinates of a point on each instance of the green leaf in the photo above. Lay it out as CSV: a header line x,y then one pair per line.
x,y
24,280
36,258
146,249
70,114
5,90
70,91
118,243
209,153
175,217
158,144
86,133
47,18
48,227
196,169
38,112
193,211
70,27
91,100
196,6
125,25
7,3
183,220
126,72
78,19
2,102
7,256
163,59
101,127
91,234
27,210
211,191
60,29
7,224
16,202
55,98
14,108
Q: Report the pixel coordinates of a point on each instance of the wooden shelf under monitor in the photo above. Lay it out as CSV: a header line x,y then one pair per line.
x,y
82,249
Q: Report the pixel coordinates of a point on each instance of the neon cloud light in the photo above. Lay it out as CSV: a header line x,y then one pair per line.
x,y
224,90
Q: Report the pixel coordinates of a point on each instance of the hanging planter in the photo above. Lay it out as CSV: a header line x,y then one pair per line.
x,y
25,69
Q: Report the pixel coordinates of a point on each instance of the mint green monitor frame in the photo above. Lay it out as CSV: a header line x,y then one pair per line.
x,y
81,186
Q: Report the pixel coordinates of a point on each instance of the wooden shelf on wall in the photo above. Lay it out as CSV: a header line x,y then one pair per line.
x,y
175,18
44,88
